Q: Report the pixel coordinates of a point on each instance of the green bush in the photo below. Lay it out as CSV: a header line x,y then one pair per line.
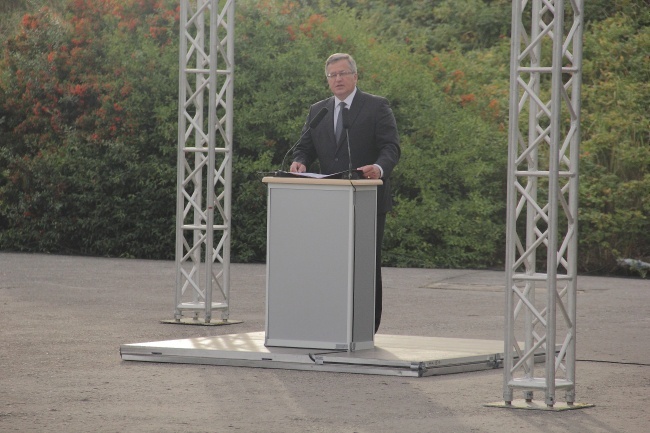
x,y
88,123
88,131
615,160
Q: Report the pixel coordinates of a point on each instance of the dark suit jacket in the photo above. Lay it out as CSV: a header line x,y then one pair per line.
x,y
373,140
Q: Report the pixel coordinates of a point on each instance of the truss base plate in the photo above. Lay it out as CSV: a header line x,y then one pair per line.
x,y
539,405
201,322
392,355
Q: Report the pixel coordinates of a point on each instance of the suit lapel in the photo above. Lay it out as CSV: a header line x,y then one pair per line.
x,y
357,106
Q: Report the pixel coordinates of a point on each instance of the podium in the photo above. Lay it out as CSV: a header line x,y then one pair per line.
x,y
320,263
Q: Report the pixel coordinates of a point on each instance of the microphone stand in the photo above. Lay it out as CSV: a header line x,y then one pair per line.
x,y
345,118
347,138
314,123
279,172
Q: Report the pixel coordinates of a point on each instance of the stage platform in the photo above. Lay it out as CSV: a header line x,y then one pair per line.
x,y
393,355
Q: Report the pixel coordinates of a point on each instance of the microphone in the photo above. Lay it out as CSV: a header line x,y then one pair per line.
x,y
345,119
314,123
317,119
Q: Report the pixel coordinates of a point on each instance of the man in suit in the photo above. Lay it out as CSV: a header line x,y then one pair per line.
x,y
373,138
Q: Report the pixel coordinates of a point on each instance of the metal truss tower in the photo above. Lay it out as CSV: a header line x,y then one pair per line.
x,y
205,119
542,208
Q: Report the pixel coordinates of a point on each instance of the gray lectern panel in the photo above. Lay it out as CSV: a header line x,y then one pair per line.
x,y
364,265
308,266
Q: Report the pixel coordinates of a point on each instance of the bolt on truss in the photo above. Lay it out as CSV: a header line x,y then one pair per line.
x,y
205,119
542,208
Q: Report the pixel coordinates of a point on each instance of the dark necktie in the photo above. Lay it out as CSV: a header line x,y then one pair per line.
x,y
339,122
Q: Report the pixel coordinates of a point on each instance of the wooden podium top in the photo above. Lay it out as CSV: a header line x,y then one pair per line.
x,y
316,181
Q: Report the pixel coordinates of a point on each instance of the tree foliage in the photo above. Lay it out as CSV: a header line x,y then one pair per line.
x,y
449,169
88,134
615,170
88,114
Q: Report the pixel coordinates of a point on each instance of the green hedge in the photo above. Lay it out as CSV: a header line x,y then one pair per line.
x,y
88,114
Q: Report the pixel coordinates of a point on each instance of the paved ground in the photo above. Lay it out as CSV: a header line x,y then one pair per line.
x,y
62,320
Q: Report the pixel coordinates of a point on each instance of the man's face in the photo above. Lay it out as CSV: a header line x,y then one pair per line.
x,y
341,85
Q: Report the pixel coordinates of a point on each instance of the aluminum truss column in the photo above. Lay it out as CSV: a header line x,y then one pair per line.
x,y
542,208
204,163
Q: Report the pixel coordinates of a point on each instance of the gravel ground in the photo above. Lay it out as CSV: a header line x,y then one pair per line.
x,y
63,319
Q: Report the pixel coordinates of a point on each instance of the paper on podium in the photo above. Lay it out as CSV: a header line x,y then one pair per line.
x,y
356,174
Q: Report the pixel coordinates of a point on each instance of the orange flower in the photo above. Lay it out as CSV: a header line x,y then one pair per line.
x,y
466,99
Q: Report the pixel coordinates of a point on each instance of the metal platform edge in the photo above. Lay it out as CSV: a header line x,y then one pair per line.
x,y
418,369
315,360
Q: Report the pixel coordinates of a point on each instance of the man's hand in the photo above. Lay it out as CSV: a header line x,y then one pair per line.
x,y
370,172
297,167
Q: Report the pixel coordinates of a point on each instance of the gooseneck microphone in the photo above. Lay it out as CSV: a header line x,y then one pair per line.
x,y
314,123
345,119
316,120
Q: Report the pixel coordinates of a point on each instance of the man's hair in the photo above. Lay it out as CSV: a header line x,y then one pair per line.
x,y
341,56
